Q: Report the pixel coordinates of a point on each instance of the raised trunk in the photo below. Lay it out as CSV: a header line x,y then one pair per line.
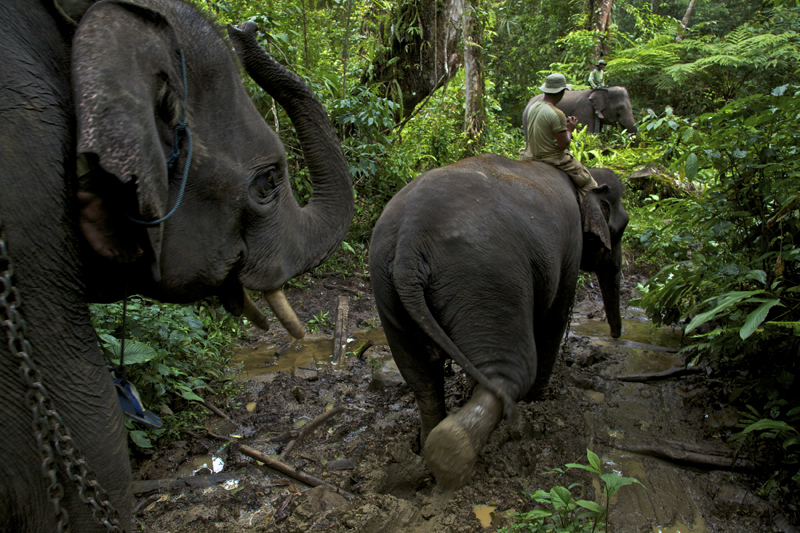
x,y
308,236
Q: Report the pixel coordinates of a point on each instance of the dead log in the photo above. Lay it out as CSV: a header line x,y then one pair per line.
x,y
308,429
676,455
211,407
659,376
340,331
291,472
195,482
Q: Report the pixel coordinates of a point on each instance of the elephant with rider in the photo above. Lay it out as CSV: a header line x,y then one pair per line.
x,y
593,108
132,161
477,262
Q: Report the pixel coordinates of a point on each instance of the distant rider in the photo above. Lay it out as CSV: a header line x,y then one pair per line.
x,y
550,133
596,75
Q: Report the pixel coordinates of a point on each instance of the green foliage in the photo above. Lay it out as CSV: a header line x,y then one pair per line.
x,y
733,270
317,321
569,515
172,354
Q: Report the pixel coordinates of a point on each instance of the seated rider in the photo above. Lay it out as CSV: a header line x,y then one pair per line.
x,y
550,133
596,75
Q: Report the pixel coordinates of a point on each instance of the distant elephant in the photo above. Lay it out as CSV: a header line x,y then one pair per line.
x,y
478,262
611,106
92,97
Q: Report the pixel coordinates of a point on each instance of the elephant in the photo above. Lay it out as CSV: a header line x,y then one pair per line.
x,y
132,160
478,261
611,106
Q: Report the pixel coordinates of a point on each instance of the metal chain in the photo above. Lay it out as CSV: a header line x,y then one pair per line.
x,y
53,438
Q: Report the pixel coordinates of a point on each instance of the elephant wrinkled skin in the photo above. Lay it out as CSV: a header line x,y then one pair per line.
x,y
613,103
478,262
90,95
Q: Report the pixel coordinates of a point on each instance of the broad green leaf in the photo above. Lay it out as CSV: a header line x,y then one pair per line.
x,y
594,460
755,318
766,423
537,513
189,395
729,300
140,439
135,352
592,506
560,496
692,166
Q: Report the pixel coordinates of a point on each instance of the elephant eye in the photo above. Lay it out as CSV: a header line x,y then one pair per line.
x,y
264,185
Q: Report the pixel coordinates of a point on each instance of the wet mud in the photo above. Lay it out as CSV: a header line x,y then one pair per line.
x,y
669,434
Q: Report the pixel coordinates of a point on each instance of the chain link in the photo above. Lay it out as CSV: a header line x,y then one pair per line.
x,y
53,438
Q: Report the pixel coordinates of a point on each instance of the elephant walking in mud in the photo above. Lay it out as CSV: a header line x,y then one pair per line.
x,y
478,262
609,106
132,161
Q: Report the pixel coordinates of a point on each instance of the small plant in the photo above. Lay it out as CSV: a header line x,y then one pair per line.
x,y
320,320
569,515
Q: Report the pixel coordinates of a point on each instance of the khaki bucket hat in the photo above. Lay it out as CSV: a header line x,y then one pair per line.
x,y
555,83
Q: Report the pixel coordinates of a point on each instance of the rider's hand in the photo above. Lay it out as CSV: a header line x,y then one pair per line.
x,y
572,122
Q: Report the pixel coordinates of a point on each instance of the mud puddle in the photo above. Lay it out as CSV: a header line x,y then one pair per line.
x,y
658,432
314,351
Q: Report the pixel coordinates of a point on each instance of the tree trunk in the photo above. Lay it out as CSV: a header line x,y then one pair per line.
x,y
601,19
473,75
305,35
685,20
421,53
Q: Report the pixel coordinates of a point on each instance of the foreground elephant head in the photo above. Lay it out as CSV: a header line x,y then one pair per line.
x,y
609,106
92,100
478,262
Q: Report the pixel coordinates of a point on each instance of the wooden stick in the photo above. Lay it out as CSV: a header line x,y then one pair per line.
x,y
681,456
366,346
308,429
289,471
658,376
340,330
214,410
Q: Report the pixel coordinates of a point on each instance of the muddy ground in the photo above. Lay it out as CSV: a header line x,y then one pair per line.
x,y
669,434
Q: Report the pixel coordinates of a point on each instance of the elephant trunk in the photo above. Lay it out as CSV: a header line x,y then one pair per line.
x,y
317,229
452,448
610,287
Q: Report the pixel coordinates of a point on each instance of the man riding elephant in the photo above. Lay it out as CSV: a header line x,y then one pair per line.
x,y
548,134
596,76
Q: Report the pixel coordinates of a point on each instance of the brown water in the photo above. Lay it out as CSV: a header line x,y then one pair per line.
x,y
313,352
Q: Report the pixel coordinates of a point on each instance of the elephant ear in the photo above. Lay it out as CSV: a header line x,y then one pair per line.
x,y
595,212
599,100
126,75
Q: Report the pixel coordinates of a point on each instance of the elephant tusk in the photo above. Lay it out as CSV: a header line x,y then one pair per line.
x,y
252,313
280,306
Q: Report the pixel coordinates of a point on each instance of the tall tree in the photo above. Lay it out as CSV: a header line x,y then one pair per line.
x,y
419,52
601,20
473,72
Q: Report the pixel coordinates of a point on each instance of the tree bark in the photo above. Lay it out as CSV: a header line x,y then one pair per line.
x,y
601,19
473,75
685,19
420,55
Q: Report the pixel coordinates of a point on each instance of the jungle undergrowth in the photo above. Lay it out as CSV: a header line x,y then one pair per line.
x,y
559,511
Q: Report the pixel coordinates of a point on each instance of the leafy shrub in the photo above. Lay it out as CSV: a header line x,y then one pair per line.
x,y
172,354
569,515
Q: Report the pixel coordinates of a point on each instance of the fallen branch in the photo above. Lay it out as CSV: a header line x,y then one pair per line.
x,y
658,376
308,429
289,471
211,407
201,482
686,457
364,347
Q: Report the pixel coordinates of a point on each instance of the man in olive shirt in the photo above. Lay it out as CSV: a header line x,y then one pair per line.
x,y
596,75
550,133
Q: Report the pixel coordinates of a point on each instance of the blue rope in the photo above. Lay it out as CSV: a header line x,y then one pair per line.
x,y
180,129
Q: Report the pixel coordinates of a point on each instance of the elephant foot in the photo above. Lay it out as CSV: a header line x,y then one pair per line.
x,y
452,448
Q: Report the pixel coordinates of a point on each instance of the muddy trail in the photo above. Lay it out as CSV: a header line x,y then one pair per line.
x,y
670,434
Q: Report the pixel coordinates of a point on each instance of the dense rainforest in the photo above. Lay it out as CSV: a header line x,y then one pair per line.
x,y
712,178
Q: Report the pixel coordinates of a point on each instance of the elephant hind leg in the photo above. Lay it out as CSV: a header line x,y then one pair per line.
x,y
423,370
452,448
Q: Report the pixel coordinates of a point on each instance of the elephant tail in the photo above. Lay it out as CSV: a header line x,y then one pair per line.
x,y
410,283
